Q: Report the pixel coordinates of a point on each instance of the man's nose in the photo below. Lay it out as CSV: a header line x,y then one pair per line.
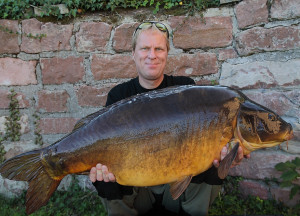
x,y
151,53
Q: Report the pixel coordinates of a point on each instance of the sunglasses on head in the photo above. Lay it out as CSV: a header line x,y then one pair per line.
x,y
158,25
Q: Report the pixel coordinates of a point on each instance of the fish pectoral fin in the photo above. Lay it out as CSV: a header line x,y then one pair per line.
x,y
227,161
83,173
178,187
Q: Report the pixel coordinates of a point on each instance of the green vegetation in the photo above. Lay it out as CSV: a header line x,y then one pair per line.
x,y
12,124
74,201
23,9
231,202
2,150
37,131
290,174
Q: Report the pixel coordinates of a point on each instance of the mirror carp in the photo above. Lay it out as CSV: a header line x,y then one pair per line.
x,y
159,137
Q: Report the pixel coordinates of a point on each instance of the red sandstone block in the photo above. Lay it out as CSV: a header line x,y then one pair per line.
x,y
92,96
261,165
9,36
53,101
283,103
62,70
253,188
283,195
194,32
57,125
192,64
251,12
93,36
17,72
122,37
116,66
57,36
260,39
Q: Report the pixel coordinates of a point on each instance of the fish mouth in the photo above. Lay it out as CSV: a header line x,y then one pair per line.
x,y
289,135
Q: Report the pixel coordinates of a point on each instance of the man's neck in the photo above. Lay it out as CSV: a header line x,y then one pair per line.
x,y
150,84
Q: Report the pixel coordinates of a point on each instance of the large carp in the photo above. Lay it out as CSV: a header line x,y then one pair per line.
x,y
164,136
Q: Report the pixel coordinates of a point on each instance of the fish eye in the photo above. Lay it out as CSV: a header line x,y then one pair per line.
x,y
272,117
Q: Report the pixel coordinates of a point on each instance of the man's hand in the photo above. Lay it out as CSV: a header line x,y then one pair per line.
x,y
100,173
238,159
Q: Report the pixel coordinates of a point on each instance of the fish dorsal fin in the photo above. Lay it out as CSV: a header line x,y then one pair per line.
x,y
85,120
227,161
178,187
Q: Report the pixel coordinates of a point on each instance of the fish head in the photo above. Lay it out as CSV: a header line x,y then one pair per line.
x,y
259,127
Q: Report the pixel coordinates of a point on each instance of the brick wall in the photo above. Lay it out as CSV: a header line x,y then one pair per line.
x,y
253,45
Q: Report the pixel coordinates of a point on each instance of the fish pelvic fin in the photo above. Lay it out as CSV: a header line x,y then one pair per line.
x,y
227,161
29,167
178,187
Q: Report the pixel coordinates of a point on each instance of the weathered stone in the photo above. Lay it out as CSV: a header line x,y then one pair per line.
x,y
192,64
17,72
261,74
122,37
57,125
283,194
15,148
57,37
285,9
194,32
53,101
11,189
225,54
4,99
293,147
93,36
2,124
92,96
281,102
259,39
251,12
62,70
9,31
261,165
116,66
248,187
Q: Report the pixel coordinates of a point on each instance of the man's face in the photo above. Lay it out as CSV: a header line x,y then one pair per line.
x,y
150,55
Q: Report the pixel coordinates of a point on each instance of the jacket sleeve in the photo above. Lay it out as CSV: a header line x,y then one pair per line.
x,y
112,190
210,177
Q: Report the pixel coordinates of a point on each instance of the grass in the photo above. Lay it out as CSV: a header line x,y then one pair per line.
x,y
76,201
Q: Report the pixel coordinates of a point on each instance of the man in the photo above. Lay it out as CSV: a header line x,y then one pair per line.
x,y
150,52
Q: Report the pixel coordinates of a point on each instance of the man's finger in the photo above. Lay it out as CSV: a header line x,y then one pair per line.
x,y
93,174
111,177
216,163
105,173
224,152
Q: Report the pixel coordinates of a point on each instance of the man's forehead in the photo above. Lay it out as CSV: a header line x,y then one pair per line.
x,y
151,38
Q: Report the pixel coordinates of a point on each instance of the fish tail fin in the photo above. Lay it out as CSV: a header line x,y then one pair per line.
x,y
29,167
